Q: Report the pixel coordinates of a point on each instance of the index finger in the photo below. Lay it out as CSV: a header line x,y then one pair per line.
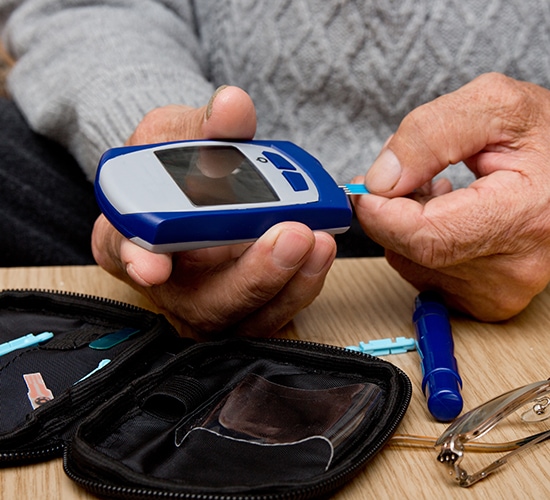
x,y
493,111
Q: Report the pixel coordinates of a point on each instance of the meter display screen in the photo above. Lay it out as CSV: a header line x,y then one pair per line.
x,y
216,175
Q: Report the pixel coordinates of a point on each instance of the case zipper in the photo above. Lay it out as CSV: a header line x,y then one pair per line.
x,y
79,295
39,455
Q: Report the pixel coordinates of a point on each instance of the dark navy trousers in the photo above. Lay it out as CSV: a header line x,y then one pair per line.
x,y
47,207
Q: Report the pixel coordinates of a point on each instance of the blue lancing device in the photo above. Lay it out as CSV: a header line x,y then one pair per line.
x,y
194,194
441,382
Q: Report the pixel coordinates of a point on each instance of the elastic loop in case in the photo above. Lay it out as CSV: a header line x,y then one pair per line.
x,y
175,397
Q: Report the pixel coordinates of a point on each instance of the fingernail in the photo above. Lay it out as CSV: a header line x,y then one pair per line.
x,y
318,260
208,113
135,276
387,141
290,248
384,173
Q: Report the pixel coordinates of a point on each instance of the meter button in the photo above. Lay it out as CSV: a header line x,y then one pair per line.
x,y
278,161
296,180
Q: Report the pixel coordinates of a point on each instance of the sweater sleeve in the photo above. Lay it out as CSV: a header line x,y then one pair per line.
x,y
87,72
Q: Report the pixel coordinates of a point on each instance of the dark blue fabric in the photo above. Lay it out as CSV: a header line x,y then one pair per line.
x,y
47,206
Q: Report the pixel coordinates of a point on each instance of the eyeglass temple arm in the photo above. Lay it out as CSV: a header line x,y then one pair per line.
x,y
465,479
478,447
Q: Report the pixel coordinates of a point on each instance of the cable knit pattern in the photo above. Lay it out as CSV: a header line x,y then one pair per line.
x,y
334,76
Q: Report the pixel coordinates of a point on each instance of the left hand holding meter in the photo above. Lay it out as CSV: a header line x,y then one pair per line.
x,y
252,289
194,194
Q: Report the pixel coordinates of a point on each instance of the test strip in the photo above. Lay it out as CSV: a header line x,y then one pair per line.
x,y
351,189
38,391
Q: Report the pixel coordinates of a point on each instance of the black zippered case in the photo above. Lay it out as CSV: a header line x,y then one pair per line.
x,y
140,413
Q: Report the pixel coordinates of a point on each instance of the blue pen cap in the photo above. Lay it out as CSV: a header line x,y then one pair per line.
x,y
441,382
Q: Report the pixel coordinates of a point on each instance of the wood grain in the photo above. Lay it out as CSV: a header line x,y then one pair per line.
x,y
363,299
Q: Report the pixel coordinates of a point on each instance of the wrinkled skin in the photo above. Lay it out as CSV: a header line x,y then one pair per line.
x,y
247,289
485,247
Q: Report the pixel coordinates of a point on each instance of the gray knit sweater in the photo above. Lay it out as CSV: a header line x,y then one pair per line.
x,y
334,76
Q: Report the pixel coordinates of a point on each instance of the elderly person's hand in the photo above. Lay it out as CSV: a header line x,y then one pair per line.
x,y
487,246
245,289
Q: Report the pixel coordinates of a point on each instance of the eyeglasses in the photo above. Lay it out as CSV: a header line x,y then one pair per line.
x,y
458,437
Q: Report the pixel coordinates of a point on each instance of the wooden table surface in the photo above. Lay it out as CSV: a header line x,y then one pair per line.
x,y
364,299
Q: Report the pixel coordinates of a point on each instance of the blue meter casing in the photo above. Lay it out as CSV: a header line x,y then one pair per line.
x,y
194,194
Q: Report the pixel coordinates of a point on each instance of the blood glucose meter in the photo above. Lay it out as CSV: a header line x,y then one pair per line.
x,y
194,194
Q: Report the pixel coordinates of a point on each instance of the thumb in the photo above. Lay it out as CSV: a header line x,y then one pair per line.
x,y
230,114
453,128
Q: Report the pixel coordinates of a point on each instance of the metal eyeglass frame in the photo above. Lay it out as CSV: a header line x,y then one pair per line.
x,y
463,433
479,421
